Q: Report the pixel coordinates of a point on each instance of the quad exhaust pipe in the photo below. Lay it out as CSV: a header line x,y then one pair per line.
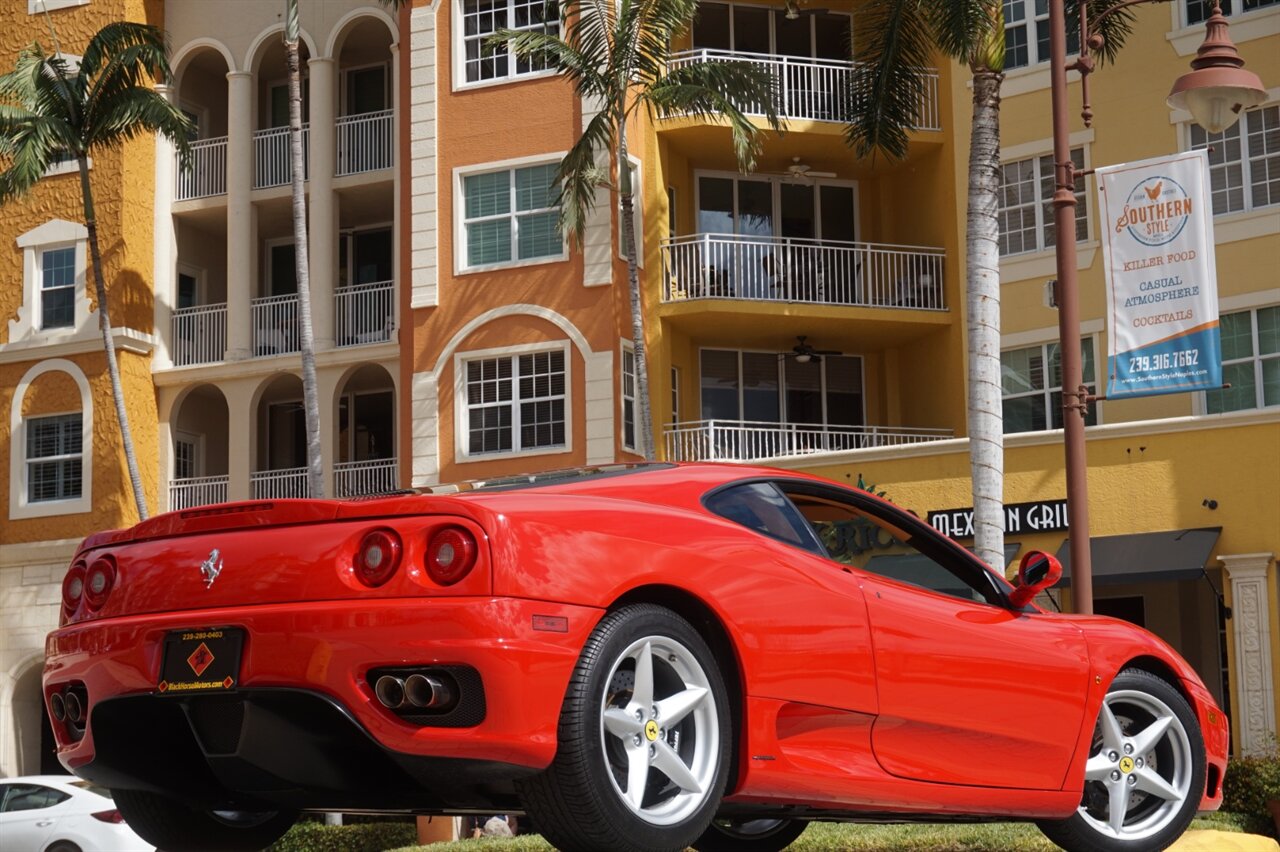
x,y
417,690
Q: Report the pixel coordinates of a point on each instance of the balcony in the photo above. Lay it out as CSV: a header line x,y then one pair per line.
x,y
745,441
365,142
364,314
361,478
206,174
199,335
275,325
197,491
785,269
273,165
278,484
814,89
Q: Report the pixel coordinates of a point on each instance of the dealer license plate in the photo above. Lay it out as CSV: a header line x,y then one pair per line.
x,y
206,660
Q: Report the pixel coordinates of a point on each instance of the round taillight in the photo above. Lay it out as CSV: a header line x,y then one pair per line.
x,y
73,587
98,581
378,557
451,553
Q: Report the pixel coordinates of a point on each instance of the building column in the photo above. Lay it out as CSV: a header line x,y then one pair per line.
x,y
241,221
165,250
323,213
242,420
327,390
1254,689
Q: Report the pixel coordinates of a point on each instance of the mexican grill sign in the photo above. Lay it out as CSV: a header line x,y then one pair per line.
x,y
1162,292
1019,519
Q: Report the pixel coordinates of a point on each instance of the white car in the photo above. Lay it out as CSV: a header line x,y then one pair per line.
x,y
62,813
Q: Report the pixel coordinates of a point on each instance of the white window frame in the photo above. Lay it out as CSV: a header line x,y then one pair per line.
x,y
37,7
1043,207
627,396
54,234
30,461
1046,393
460,81
637,213
344,86
19,507
460,175
43,291
461,408
1232,13
1256,359
197,453
1247,166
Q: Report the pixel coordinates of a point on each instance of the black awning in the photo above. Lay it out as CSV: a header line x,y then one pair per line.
x,y
1145,557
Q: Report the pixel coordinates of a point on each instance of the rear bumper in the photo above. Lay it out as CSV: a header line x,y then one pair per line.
x,y
308,729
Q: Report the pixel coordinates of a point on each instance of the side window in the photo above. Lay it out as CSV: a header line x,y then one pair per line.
x,y
875,543
760,506
30,797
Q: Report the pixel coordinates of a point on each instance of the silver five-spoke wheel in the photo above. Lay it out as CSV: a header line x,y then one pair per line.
x,y
1139,772
659,730
1144,777
643,741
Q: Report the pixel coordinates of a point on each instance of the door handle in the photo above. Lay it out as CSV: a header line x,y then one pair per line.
x,y
42,823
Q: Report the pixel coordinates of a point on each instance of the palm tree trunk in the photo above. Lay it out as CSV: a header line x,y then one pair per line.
x,y
306,334
986,421
109,343
644,418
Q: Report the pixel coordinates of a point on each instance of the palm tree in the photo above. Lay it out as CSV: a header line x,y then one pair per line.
x,y
52,108
306,331
616,55
899,38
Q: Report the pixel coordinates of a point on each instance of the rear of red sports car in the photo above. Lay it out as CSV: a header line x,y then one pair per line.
x,y
307,654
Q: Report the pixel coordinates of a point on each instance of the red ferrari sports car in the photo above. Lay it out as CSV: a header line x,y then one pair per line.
x,y
639,657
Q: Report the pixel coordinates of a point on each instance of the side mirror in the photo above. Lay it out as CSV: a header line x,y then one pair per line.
x,y
1037,572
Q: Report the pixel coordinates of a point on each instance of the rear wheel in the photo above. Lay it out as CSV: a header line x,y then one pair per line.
x,y
750,835
1145,773
170,824
644,740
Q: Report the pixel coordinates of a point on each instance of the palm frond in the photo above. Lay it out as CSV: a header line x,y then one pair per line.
x,y
131,113
721,89
962,28
552,51
129,43
1115,29
884,100
580,174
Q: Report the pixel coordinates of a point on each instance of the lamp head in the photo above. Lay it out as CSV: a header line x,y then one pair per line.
x,y
1218,87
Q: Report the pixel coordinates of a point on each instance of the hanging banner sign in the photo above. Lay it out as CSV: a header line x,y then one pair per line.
x,y
1162,287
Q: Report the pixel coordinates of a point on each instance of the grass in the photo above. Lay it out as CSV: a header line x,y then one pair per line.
x,y
841,837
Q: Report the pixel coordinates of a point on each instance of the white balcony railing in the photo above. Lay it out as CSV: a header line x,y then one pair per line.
x,y
364,313
736,440
359,478
199,335
275,325
365,142
207,172
278,484
197,491
272,163
815,89
783,269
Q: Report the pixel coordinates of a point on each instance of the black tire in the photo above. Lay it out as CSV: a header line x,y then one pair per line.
x,y
1159,778
171,825
579,801
750,835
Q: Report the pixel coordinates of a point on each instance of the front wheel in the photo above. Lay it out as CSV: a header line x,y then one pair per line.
x,y
1145,773
170,824
750,835
644,740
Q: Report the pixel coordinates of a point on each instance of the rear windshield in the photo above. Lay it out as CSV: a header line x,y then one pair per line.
x,y
91,787
544,479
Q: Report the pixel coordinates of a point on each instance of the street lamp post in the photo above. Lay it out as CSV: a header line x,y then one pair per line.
x,y
1215,92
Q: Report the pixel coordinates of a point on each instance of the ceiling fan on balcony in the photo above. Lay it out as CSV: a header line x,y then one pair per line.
x,y
802,171
804,352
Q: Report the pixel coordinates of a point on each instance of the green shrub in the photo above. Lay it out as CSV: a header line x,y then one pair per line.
x,y
1251,782
310,836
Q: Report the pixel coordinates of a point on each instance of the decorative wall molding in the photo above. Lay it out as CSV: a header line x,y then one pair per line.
x,y
1254,701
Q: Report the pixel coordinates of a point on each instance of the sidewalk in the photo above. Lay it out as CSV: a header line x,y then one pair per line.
x,y
1223,841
